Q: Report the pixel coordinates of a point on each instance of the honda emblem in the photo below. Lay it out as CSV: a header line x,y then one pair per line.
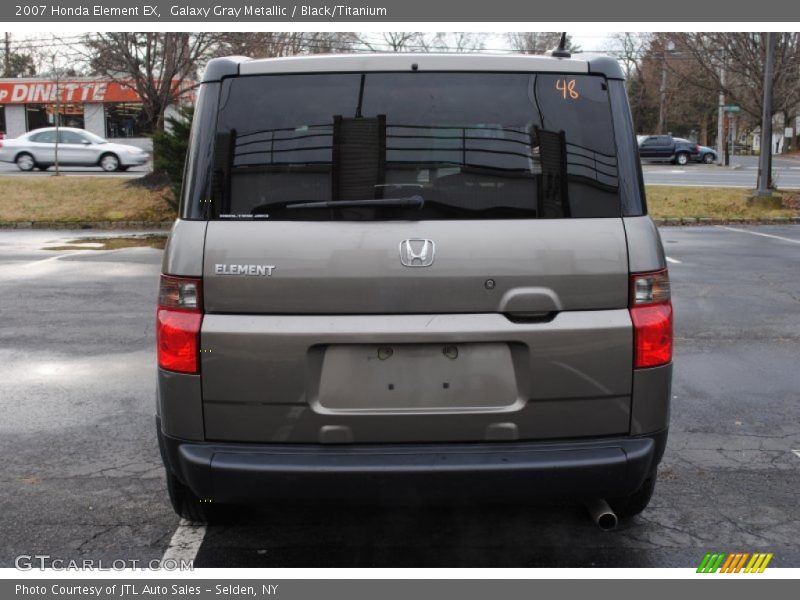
x,y
417,253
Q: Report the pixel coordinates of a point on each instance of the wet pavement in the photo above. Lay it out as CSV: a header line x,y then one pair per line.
x,y
82,477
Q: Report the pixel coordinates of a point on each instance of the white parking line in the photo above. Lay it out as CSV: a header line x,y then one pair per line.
x,y
797,453
185,542
674,261
766,235
47,260
698,185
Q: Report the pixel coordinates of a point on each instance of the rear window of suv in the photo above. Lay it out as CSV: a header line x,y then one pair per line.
x,y
430,145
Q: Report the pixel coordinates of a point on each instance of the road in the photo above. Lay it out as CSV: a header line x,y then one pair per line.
x,y
11,169
743,173
82,477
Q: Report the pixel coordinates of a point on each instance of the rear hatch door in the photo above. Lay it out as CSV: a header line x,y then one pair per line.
x,y
493,309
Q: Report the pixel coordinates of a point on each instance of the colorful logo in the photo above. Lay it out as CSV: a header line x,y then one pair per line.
x,y
719,562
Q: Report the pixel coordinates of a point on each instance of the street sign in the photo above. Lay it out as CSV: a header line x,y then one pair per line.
x,y
731,108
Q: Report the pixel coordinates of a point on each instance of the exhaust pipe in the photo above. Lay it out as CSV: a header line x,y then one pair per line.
x,y
602,514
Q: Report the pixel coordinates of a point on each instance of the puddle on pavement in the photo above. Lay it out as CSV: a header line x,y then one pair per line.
x,y
112,243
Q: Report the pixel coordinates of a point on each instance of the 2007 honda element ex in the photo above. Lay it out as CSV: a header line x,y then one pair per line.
x,y
402,276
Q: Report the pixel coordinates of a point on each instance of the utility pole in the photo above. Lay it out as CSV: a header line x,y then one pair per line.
x,y
662,105
765,160
57,116
662,93
721,141
7,56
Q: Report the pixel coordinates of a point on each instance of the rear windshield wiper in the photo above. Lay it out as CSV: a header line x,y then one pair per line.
x,y
415,201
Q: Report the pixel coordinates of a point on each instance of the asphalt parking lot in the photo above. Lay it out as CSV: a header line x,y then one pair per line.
x,y
82,478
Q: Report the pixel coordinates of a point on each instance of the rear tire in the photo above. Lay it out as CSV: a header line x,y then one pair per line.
x,y
708,159
630,506
186,504
682,158
25,162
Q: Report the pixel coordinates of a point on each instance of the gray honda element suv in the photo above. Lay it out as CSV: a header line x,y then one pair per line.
x,y
411,276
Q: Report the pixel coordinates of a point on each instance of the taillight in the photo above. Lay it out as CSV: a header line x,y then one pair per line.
x,y
651,313
178,319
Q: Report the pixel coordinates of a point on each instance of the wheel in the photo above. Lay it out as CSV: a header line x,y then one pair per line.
x,y
25,162
185,503
632,505
42,167
709,158
109,162
682,158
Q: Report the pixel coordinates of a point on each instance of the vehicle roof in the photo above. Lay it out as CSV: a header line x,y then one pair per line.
x,y
580,63
54,128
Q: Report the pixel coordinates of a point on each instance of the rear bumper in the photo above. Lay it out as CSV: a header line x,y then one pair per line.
x,y
604,468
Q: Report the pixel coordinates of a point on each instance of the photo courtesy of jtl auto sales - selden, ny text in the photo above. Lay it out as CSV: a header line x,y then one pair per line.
x,y
399,300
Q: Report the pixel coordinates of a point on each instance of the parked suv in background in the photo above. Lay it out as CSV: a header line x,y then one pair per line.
x,y
405,276
702,154
666,147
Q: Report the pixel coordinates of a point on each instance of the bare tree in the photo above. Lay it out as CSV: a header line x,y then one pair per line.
x,y
664,88
455,42
420,41
536,42
159,66
740,55
269,44
17,62
392,41
628,48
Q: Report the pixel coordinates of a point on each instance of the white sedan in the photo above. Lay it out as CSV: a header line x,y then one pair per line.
x,y
76,147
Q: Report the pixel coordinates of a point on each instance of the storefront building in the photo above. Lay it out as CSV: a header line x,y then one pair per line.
x,y
110,109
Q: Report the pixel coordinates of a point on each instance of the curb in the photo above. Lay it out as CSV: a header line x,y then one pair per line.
x,y
122,225
671,221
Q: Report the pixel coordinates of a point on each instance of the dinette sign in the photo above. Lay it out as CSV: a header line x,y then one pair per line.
x,y
66,91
